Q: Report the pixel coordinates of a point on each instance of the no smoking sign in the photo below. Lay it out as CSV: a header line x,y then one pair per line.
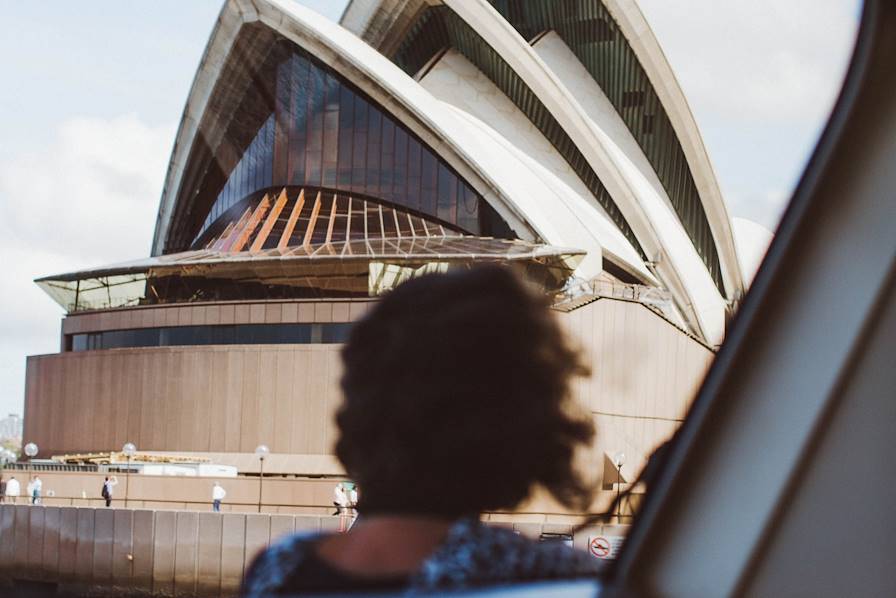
x,y
604,547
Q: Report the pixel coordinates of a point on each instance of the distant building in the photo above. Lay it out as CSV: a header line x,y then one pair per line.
x,y
11,427
318,166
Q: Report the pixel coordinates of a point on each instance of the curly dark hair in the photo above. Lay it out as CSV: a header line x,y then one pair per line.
x,y
457,398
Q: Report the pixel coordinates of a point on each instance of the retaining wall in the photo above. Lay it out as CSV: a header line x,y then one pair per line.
x,y
162,553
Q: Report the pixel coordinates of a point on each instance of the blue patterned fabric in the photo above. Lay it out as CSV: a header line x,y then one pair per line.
x,y
471,555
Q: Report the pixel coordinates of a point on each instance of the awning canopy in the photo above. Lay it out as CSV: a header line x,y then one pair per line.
x,y
349,268
295,243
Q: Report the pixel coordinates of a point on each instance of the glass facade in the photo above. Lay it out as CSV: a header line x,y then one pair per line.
x,y
318,131
232,334
251,173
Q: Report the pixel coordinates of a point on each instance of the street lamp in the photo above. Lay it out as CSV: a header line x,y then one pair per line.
x,y
618,461
31,450
262,451
128,449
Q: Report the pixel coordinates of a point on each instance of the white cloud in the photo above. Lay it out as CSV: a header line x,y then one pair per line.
x,y
90,198
92,194
764,61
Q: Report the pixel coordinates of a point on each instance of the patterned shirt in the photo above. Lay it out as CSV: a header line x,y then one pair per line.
x,y
472,554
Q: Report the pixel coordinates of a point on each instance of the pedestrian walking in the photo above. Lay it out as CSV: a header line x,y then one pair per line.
x,y
108,486
2,490
341,500
13,489
36,487
353,504
218,494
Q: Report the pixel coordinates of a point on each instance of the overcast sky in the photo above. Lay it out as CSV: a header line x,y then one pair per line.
x,y
92,92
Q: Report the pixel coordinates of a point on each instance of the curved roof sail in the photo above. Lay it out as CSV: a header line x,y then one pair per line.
x,y
632,71
630,128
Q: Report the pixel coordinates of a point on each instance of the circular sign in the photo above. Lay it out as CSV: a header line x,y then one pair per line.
x,y
600,547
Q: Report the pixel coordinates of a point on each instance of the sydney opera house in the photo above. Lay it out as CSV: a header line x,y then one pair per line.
x,y
317,165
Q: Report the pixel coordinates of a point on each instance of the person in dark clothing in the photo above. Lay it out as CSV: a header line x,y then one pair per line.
x,y
457,401
107,491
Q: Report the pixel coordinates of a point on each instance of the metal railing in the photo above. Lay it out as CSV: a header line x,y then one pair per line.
x,y
33,467
656,298
247,507
48,500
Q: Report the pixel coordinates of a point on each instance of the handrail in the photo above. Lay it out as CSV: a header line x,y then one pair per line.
x,y
23,500
117,504
659,299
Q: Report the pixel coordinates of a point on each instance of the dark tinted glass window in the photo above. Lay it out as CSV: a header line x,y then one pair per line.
x,y
79,342
335,333
428,175
234,334
447,195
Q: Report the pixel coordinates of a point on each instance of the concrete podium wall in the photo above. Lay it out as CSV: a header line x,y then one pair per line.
x,y
229,399
179,553
162,552
213,398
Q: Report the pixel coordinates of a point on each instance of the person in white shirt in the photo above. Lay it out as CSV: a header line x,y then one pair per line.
x,y
218,494
36,487
13,489
353,505
340,498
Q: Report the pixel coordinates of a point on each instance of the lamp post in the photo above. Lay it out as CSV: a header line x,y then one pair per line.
x,y
31,450
128,449
618,461
262,451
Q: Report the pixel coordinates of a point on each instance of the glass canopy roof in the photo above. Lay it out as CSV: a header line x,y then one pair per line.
x,y
305,243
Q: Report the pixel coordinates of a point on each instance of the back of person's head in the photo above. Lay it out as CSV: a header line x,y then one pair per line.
x,y
457,398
